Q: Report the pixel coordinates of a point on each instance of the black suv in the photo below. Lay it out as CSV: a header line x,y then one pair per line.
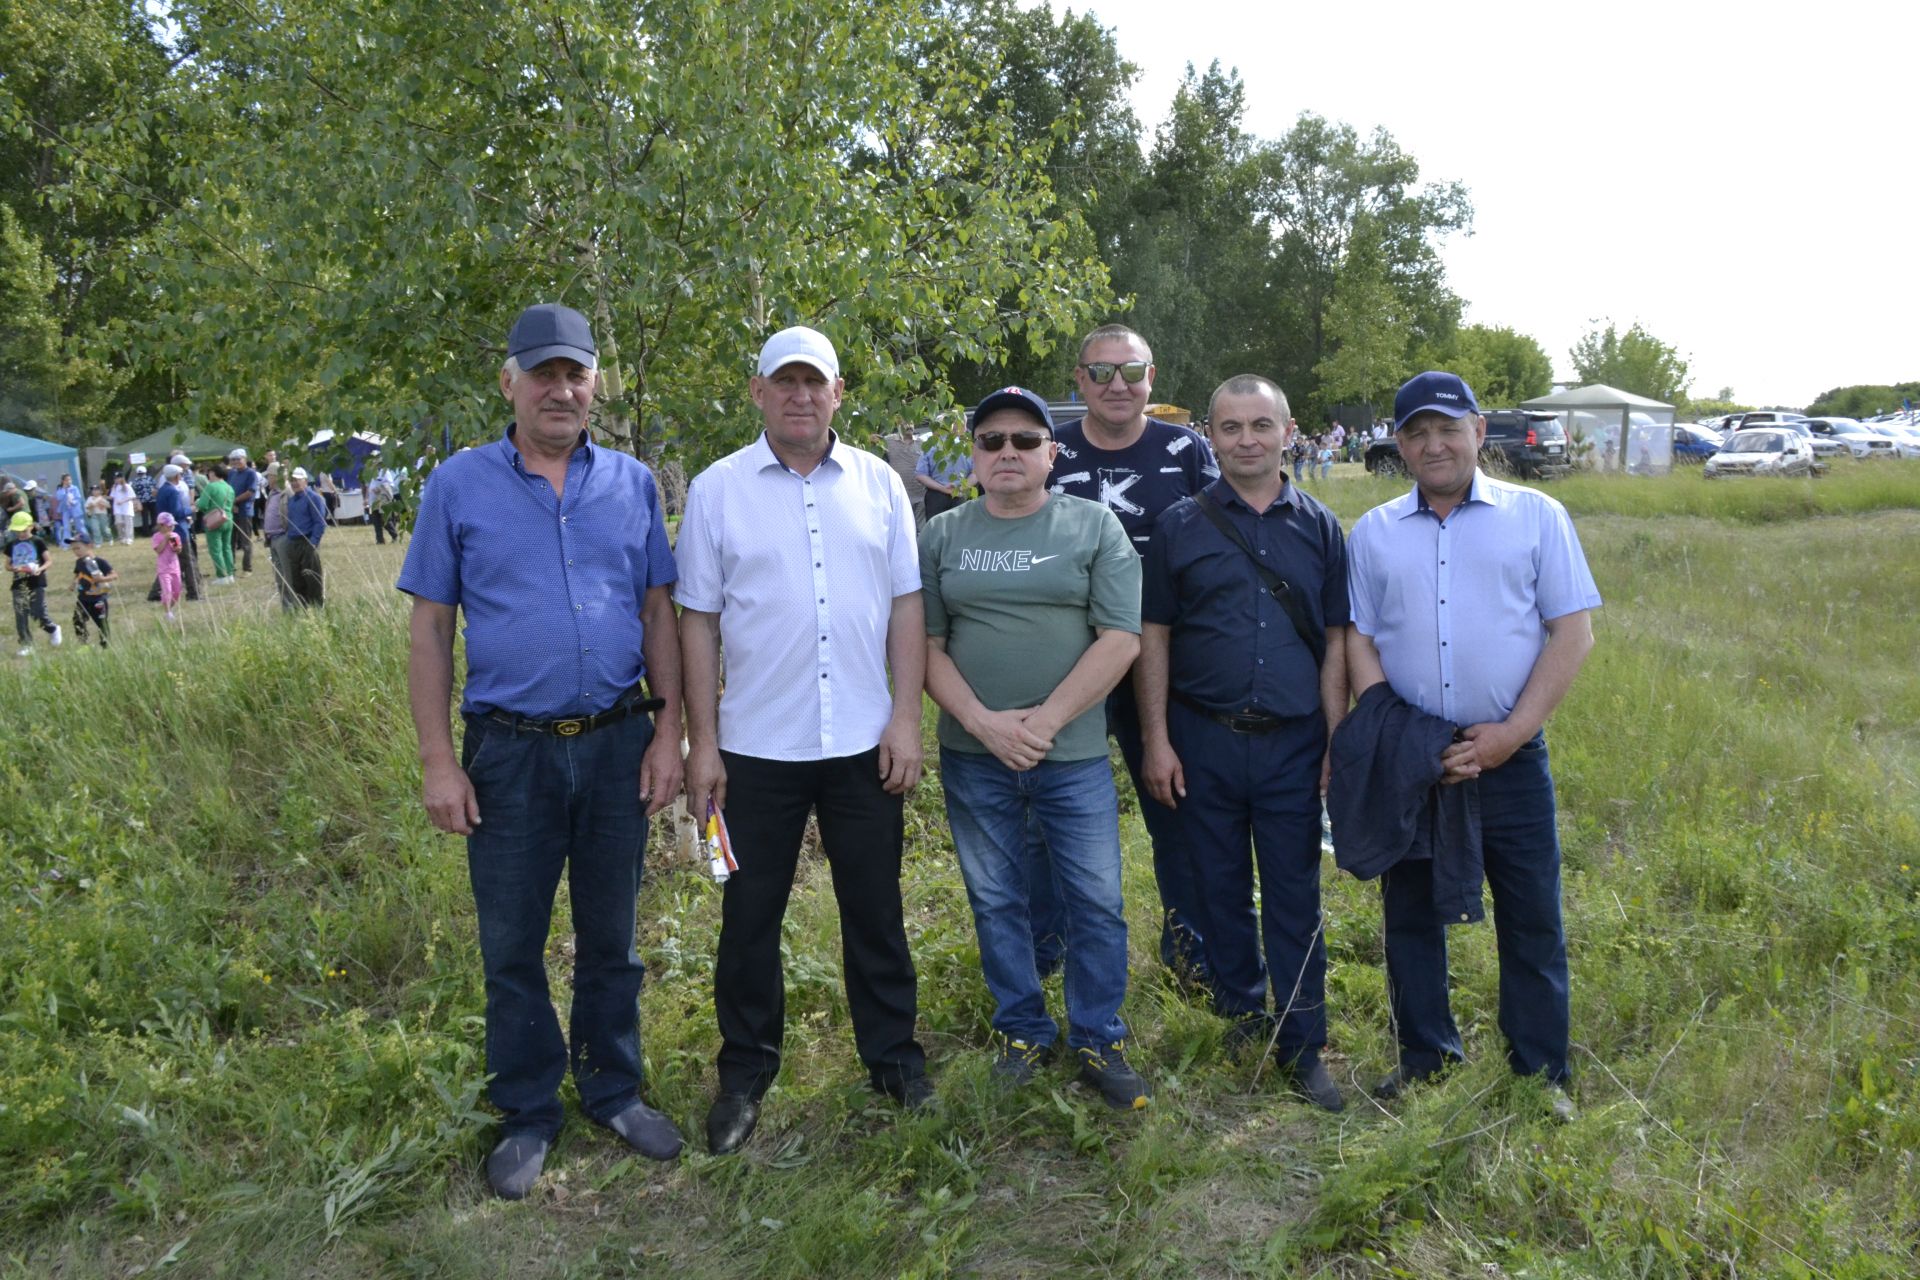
x,y
1527,443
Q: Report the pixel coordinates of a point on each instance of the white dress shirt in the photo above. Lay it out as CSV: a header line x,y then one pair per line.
x,y
803,571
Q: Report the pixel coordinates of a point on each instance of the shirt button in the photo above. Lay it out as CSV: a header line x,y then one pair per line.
x,y
569,564
1463,915
576,608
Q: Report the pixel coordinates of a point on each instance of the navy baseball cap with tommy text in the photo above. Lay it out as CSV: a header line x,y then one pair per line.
x,y
1014,398
1436,391
551,332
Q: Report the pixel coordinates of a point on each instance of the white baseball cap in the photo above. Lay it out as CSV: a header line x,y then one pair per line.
x,y
169,471
237,453
801,344
299,473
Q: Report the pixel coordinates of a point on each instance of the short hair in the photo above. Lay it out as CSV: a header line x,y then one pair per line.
x,y
1250,384
513,370
1114,331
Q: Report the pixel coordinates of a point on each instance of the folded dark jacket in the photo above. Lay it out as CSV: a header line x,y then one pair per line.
x,y
1387,806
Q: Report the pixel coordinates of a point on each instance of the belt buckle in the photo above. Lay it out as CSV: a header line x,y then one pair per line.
x,y
569,728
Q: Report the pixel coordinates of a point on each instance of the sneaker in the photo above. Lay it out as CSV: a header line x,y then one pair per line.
x,y
647,1131
57,637
26,651
515,1163
1111,1073
1560,1107
1019,1061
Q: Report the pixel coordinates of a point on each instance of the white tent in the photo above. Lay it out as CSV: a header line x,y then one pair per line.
x,y
1624,427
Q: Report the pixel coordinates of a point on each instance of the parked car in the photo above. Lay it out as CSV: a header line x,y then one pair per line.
x,y
1862,442
1905,436
1765,418
1763,451
1693,442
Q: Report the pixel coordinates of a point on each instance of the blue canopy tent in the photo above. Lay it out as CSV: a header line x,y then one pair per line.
x,y
361,445
26,458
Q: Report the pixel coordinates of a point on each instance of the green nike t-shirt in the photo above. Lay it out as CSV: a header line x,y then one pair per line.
x,y
1019,600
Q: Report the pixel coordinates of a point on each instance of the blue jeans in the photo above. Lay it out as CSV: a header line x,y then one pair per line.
x,y
1182,944
1260,790
1522,848
548,803
1074,805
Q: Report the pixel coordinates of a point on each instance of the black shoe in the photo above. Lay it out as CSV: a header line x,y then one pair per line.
x,y
1018,1061
1399,1080
915,1093
515,1164
730,1122
647,1131
1109,1071
1316,1085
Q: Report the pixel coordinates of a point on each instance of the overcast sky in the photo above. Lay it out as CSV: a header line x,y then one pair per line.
x,y
1742,179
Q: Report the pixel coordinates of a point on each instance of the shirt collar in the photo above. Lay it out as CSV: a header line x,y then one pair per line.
x,y
582,449
1224,495
1481,490
764,456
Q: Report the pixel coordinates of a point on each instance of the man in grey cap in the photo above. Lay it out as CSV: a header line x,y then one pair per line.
x,y
556,550
246,492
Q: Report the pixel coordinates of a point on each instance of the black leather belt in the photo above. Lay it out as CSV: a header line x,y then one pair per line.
x,y
1238,721
572,726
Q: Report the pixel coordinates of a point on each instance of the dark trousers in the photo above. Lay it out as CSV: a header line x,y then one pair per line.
x,y
90,608
303,570
546,804
29,607
1262,788
1522,849
1182,944
861,827
243,542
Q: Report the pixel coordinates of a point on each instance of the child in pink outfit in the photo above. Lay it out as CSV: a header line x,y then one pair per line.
x,y
166,547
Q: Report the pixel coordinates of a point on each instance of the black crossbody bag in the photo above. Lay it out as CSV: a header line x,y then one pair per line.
x,y
1278,587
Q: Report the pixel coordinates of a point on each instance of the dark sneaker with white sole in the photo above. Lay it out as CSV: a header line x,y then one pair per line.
x,y
1108,1070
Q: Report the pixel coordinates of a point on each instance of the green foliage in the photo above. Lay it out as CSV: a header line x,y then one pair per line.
x,y
1701,410
1503,366
383,192
1633,361
1863,401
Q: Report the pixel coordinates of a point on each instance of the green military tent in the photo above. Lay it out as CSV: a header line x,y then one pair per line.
x,y
26,458
168,441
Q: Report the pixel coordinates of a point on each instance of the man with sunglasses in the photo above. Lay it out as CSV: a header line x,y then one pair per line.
x,y
1241,672
1033,615
1137,467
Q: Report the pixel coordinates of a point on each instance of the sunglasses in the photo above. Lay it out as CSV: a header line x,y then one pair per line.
x,y
995,441
1102,371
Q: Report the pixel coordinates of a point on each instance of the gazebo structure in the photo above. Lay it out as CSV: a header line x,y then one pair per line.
x,y
29,458
1629,432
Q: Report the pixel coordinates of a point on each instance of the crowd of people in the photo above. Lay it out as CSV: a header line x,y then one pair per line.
x,y
1116,577
228,505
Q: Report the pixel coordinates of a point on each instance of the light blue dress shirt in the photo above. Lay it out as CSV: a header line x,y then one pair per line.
x,y
1458,607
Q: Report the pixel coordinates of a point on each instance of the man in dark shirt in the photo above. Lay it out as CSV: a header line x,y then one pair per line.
x,y
1138,467
306,525
1235,706
246,491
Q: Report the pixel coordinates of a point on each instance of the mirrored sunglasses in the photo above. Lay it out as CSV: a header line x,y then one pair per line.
x,y
1102,371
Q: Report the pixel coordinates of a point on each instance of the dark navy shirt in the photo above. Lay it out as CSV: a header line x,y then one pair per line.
x,y
244,480
1233,646
1136,483
551,587
307,515
168,498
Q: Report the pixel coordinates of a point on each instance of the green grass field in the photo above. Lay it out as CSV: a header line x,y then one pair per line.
x,y
240,993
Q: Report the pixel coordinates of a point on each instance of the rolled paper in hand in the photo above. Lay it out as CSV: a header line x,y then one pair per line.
x,y
719,847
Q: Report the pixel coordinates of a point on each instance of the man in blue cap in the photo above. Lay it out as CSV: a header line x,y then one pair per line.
x,y
556,550
1033,616
1472,599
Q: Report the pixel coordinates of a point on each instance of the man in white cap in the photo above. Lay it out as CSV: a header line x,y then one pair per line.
x,y
797,557
306,525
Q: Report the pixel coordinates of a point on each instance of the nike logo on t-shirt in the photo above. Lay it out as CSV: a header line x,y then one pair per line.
x,y
1044,559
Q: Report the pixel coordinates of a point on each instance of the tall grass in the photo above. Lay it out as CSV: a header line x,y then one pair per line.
x,y
239,991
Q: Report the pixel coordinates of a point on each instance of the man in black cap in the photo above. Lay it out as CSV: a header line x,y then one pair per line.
x,y
556,550
1033,615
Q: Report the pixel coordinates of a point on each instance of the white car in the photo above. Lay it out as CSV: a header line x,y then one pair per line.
x,y
1762,451
1905,436
1862,442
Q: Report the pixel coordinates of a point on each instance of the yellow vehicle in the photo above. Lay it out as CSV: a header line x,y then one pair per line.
x,y
1170,413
